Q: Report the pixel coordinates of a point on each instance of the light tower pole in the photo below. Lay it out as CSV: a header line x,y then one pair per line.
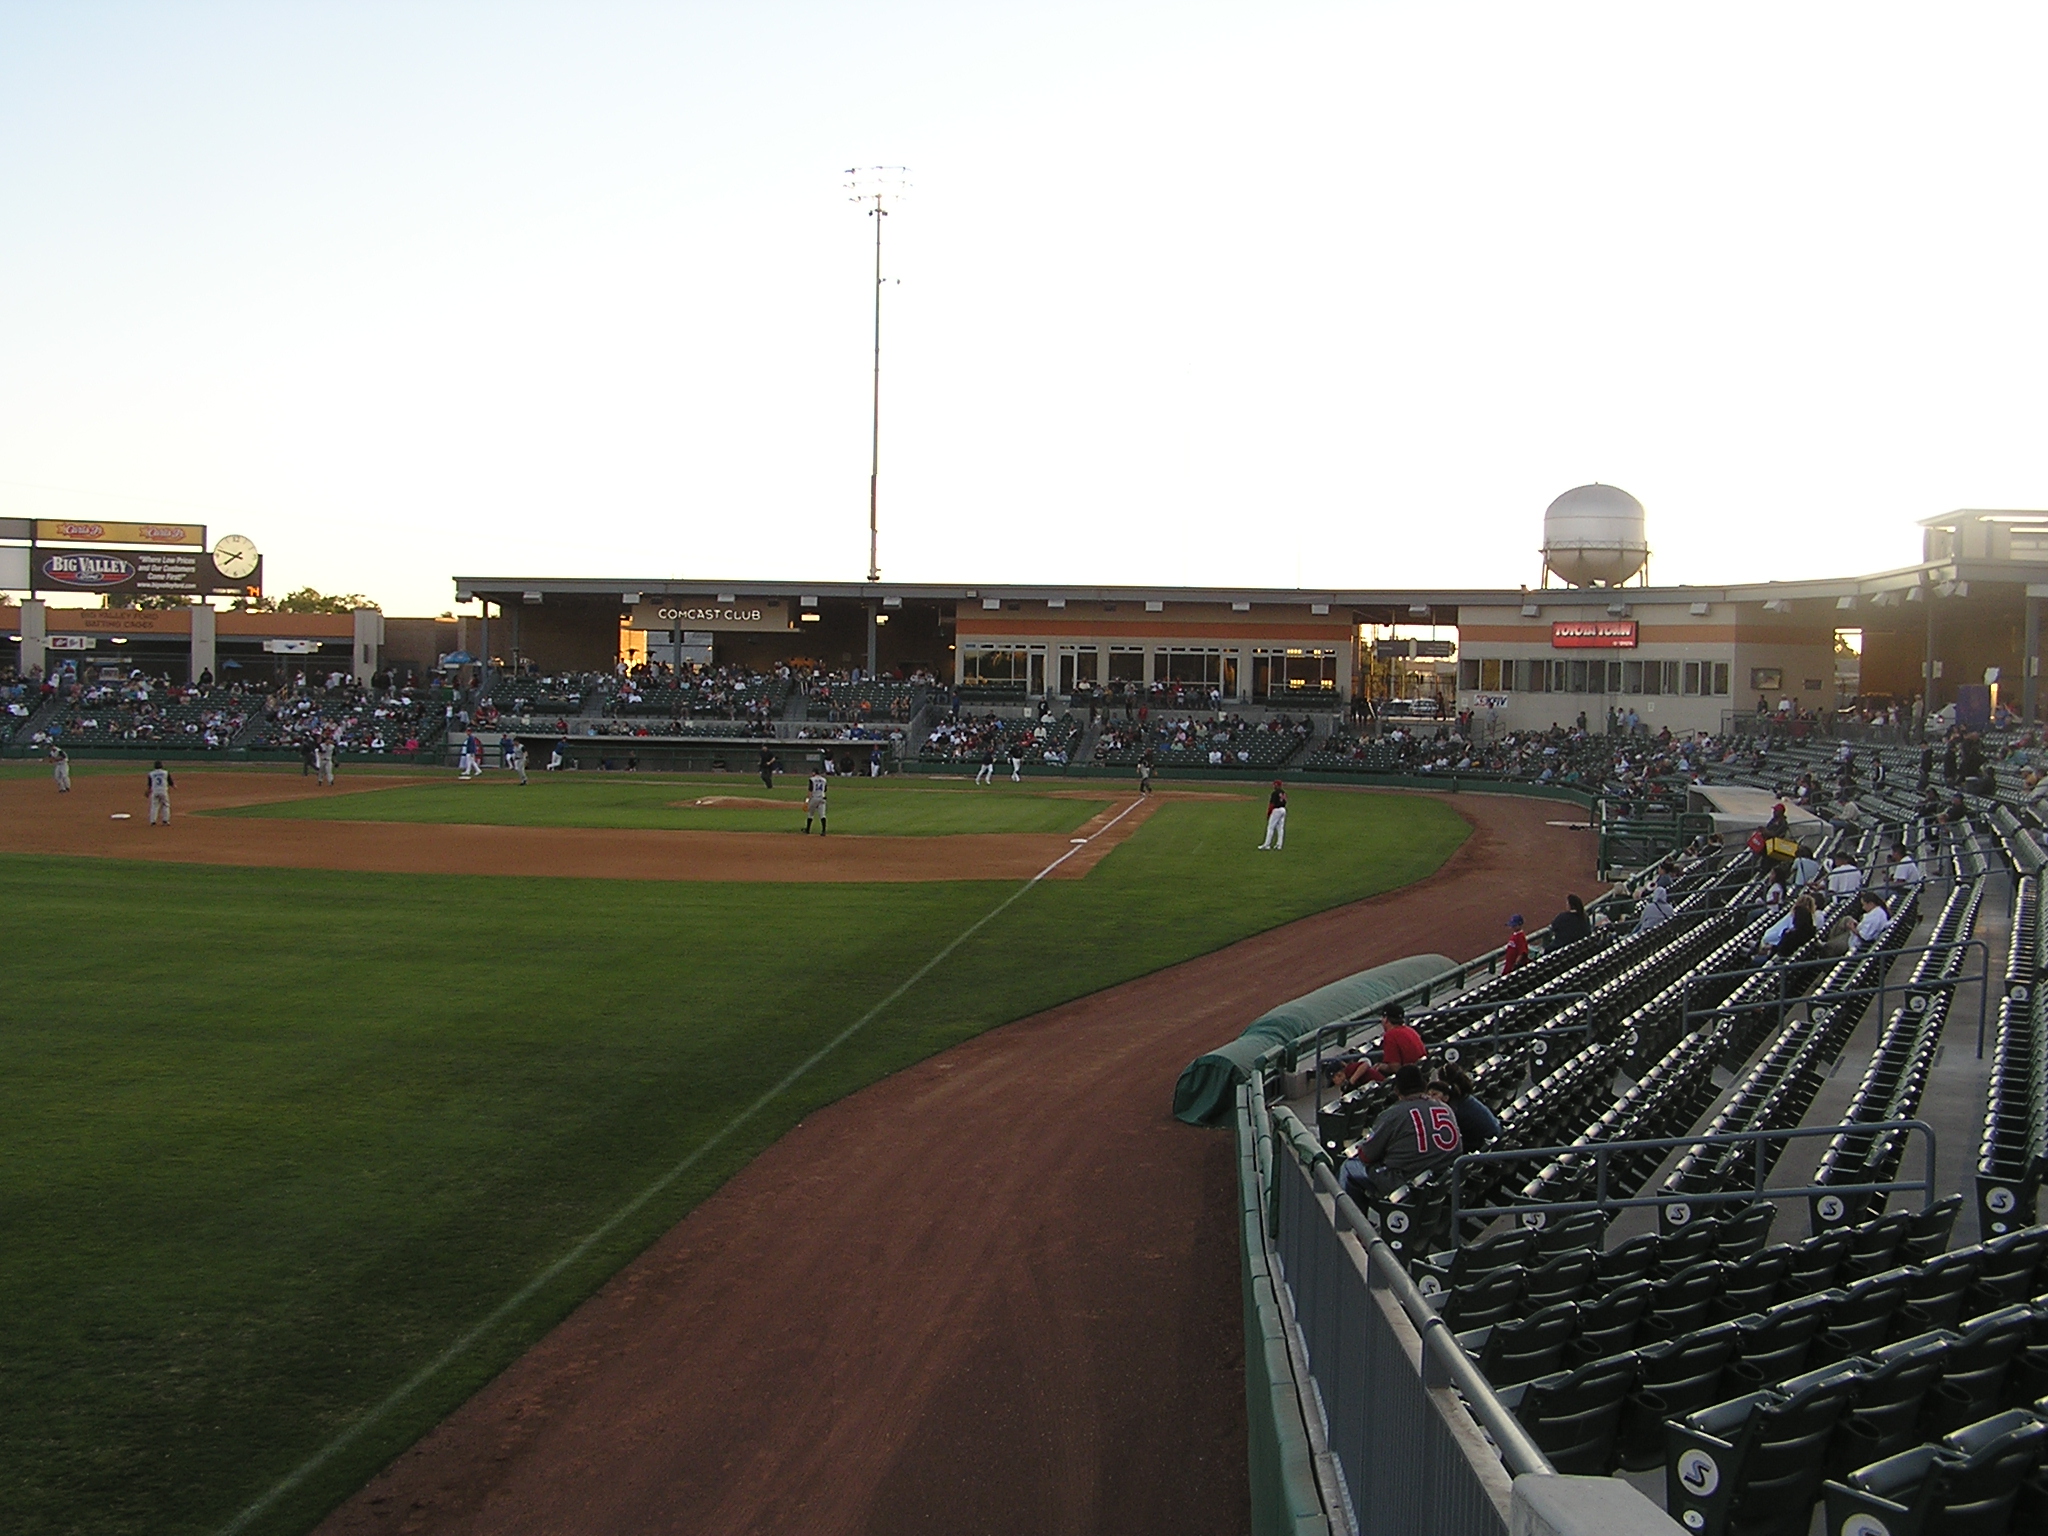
x,y
876,185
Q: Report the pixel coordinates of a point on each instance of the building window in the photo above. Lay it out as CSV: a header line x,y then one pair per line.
x,y
1294,673
1127,664
1468,673
1489,676
1195,668
1721,678
993,666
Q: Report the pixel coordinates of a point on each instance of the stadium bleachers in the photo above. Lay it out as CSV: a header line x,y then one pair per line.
x,y
357,719
1216,741
144,715
871,701
724,693
1860,1366
1034,741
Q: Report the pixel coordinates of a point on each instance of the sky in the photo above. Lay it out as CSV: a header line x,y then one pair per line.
x,y
1287,294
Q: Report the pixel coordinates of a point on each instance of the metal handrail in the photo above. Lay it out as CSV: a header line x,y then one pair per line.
x,y
1785,1001
1599,1151
1383,1272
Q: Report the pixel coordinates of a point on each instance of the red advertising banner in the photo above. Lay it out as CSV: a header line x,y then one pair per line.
x,y
1584,634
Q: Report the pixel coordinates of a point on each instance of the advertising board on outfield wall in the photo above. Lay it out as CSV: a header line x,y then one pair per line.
x,y
662,614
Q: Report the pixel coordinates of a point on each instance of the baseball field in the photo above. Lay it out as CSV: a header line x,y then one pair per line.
x,y
318,1108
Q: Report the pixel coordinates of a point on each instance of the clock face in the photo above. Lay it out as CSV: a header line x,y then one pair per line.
x,y
235,556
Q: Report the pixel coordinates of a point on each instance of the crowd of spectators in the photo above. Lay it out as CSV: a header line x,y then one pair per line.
x,y
1220,741
398,717
107,707
966,739
736,695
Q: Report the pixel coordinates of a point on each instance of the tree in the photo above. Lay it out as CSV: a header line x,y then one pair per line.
x,y
306,600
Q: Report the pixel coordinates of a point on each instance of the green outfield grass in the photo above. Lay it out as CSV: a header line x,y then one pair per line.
x,y
270,1141
872,807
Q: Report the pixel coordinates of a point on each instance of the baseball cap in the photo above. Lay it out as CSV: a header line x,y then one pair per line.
x,y
1515,921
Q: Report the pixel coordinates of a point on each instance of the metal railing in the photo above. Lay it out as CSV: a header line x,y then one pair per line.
x,y
1403,1405
1885,986
1601,1151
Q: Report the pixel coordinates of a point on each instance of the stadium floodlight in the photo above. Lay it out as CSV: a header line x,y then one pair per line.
x,y
876,186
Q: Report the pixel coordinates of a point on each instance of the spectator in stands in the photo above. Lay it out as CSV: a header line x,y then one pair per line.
x,y
1413,1135
1400,1046
1792,932
1871,926
1806,870
1658,908
1844,879
1516,953
1570,925
1905,872
1477,1124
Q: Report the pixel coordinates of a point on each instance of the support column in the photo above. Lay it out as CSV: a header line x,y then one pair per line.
x,y
369,643
204,650
35,637
873,643
2030,664
1926,657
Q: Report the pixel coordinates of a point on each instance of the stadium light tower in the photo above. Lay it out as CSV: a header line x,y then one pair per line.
x,y
876,186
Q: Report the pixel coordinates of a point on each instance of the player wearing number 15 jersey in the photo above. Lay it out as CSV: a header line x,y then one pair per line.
x,y
1413,1134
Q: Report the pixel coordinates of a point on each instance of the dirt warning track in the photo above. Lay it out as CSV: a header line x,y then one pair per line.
x,y
996,1293
35,819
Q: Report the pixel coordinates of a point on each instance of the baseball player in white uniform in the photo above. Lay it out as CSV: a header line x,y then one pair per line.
x,y
814,804
515,757
160,783
60,765
323,761
1276,819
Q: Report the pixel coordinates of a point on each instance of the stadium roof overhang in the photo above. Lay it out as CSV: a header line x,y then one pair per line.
x,y
1870,594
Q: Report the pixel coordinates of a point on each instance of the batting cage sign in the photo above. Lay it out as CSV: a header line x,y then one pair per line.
x,y
168,572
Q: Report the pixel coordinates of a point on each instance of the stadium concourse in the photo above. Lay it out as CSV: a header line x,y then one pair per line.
x,y
997,1292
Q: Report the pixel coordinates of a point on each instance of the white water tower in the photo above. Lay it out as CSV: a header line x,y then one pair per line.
x,y
1594,536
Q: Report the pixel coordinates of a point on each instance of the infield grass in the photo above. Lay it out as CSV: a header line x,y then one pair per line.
x,y
858,807
271,1140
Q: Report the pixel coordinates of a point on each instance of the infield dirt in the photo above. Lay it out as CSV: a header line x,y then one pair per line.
x,y
34,818
995,1293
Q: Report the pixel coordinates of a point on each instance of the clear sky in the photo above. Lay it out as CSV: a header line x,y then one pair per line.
x,y
1284,294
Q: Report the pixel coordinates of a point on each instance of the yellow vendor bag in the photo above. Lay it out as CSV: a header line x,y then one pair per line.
x,y
1782,848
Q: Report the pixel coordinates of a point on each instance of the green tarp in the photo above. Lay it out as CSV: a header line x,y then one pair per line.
x,y
1205,1090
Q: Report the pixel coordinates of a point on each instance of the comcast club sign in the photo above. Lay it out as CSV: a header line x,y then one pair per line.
x,y
680,613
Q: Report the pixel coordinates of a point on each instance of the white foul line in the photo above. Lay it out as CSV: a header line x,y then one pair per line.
x,y
527,1292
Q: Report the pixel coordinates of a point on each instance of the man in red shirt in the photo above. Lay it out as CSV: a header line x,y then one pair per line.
x,y
1400,1046
1518,946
